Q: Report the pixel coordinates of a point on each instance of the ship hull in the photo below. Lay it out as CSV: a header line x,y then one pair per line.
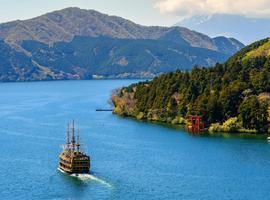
x,y
70,173
74,163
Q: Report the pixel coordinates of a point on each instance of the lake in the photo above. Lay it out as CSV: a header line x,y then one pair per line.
x,y
130,159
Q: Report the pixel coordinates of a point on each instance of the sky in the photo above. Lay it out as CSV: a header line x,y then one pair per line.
x,y
189,8
145,12
140,11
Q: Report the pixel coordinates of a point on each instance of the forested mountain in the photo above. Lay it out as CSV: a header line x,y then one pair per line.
x,y
236,93
107,57
76,43
16,65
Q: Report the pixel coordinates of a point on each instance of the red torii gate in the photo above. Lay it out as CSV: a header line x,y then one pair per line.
x,y
195,124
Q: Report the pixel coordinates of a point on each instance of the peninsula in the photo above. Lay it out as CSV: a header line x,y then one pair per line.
x,y
230,97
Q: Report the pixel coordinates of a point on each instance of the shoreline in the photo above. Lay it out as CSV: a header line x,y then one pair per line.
x,y
59,80
240,132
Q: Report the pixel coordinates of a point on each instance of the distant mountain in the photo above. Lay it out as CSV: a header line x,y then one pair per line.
x,y
247,30
16,65
111,57
76,43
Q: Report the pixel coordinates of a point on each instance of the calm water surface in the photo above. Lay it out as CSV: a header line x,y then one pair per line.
x,y
130,159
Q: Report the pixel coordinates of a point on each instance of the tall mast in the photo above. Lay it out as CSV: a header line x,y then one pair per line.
x,y
78,141
73,137
68,139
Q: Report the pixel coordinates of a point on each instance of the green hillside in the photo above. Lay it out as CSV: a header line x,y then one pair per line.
x,y
235,93
263,50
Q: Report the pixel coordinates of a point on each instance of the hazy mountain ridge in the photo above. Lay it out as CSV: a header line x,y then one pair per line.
x,y
247,30
227,45
151,43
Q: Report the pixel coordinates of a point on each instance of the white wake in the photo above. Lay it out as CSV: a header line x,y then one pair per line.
x,y
88,177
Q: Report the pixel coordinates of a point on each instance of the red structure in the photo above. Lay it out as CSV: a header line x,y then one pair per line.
x,y
195,124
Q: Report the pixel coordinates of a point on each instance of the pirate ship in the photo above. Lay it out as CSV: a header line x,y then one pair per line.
x,y
72,159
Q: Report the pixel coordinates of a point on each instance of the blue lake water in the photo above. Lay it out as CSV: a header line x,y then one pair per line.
x,y
130,159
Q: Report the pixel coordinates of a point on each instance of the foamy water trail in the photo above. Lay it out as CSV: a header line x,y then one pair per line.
x,y
89,177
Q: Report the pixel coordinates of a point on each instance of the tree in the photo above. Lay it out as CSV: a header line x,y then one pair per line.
x,y
231,97
172,107
261,80
253,114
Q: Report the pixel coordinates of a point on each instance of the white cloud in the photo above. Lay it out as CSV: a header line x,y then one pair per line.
x,y
187,8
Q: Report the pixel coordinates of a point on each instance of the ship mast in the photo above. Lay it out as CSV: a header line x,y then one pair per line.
x,y
78,141
73,137
68,139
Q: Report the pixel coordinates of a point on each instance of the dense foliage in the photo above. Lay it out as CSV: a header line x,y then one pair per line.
x,y
219,93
